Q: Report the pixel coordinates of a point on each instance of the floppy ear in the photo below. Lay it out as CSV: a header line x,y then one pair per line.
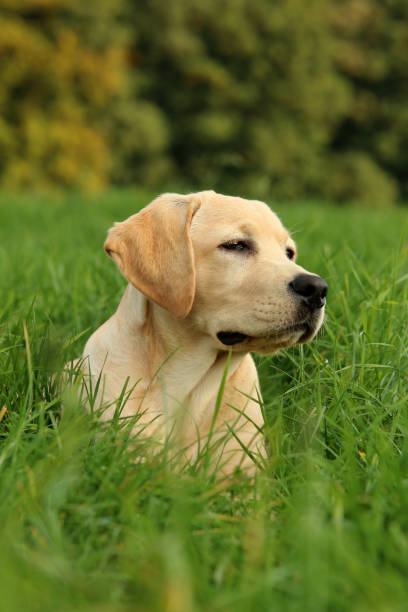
x,y
153,250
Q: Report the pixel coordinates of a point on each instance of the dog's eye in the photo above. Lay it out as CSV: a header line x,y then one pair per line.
x,y
290,253
236,245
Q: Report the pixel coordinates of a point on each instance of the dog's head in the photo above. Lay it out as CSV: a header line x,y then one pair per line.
x,y
224,263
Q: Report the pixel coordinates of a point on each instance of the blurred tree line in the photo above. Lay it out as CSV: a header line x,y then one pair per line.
x,y
282,98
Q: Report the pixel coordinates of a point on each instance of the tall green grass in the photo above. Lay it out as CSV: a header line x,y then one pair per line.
x,y
85,525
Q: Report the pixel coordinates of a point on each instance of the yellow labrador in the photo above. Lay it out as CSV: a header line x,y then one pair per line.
x,y
208,274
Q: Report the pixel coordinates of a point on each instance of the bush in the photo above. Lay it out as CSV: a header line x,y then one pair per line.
x,y
61,64
255,97
250,99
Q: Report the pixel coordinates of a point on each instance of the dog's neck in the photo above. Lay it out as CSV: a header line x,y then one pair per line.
x,y
172,347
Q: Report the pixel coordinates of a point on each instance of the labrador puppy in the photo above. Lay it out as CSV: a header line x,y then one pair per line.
x,y
211,278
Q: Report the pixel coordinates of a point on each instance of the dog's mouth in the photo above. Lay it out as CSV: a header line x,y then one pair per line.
x,y
230,338
309,332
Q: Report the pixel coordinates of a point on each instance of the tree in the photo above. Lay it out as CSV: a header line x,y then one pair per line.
x,y
371,55
245,91
62,62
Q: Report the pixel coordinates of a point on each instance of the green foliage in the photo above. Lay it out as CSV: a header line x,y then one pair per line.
x,y
86,525
250,99
372,42
354,176
289,98
61,63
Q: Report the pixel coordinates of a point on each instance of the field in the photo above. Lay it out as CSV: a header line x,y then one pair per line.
x,y
85,527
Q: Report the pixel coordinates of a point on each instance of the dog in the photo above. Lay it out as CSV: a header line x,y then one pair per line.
x,y
211,278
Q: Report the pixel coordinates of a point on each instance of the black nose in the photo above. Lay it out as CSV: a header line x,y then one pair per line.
x,y
311,288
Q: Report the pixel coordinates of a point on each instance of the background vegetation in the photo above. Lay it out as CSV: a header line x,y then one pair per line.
x,y
85,525
257,97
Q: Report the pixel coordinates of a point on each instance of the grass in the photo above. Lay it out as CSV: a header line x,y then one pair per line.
x,y
85,526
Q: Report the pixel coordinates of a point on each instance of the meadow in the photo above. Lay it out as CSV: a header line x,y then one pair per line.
x,y
84,526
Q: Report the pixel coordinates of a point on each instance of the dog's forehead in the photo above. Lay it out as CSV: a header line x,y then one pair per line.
x,y
221,213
